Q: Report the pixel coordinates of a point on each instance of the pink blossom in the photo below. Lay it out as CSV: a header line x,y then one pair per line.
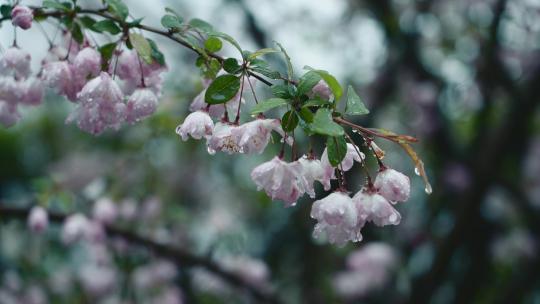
x,y
251,270
312,170
371,255
253,137
60,76
337,218
74,228
142,103
369,269
223,139
322,90
87,63
375,208
105,211
101,105
11,90
353,154
393,185
197,125
94,232
8,114
33,92
97,280
15,62
129,70
22,17
280,180
38,219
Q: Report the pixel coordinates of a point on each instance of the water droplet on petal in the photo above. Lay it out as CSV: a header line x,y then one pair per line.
x,y
428,189
211,151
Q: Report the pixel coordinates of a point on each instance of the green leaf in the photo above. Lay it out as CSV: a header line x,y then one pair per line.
x,y
142,46
262,67
171,11
213,44
324,124
107,26
281,91
307,82
337,149
354,106
228,39
87,22
316,103
268,104
107,51
289,121
230,65
171,22
157,55
201,25
76,33
306,115
5,10
332,82
118,8
290,71
261,52
222,89
55,5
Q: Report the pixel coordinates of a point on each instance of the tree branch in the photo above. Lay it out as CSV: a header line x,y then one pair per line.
x,y
179,256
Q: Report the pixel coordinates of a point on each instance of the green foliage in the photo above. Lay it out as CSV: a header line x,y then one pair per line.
x,y
107,51
268,104
118,8
62,6
5,10
230,65
201,25
290,71
106,26
324,124
142,46
222,89
289,121
157,55
307,82
171,22
337,149
262,67
261,52
213,44
355,106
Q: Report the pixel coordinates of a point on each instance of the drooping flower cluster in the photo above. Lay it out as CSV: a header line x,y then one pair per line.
x,y
103,102
225,136
368,268
17,86
371,204
79,72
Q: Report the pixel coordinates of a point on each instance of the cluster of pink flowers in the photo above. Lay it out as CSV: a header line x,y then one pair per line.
x,y
225,136
368,269
341,217
17,86
107,94
103,101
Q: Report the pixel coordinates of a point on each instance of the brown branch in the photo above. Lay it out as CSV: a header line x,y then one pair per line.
x,y
178,255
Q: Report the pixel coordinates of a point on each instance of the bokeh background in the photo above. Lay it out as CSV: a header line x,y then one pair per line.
x,y
461,75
